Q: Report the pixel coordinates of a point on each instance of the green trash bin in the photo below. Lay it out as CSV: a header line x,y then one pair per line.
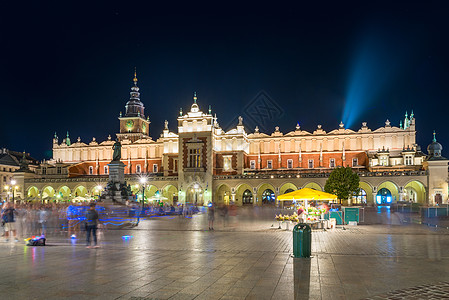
x,y
302,240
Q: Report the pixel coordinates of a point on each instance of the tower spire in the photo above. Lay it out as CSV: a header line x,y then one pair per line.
x,y
135,76
434,136
194,97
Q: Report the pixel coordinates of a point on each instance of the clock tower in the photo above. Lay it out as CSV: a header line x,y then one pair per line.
x,y
134,125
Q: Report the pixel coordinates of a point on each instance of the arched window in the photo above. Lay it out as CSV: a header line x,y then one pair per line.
x,y
91,170
247,197
106,170
360,198
138,169
268,197
289,191
384,196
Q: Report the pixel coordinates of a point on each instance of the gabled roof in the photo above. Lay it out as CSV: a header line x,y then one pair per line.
x,y
8,160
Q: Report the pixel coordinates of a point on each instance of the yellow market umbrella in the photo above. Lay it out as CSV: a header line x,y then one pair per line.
x,y
307,194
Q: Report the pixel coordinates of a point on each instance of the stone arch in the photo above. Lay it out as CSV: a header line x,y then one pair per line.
x,y
150,191
222,194
136,189
262,194
287,187
414,191
33,192
64,192
242,196
368,190
170,192
96,190
390,186
80,191
195,194
313,185
48,192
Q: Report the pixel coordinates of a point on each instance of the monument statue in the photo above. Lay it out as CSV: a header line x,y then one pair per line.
x,y
117,147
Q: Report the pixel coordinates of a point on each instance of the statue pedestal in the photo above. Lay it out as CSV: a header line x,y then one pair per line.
x,y
116,172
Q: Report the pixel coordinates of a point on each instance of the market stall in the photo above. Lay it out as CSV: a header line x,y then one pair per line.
x,y
302,199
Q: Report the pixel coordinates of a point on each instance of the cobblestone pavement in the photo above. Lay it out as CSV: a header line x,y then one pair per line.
x,y
175,258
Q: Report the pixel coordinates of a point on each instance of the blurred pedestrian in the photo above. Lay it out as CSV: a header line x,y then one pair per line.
x,y
91,225
211,215
8,216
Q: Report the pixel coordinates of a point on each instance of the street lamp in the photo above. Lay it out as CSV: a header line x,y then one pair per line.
x,y
98,189
143,181
13,186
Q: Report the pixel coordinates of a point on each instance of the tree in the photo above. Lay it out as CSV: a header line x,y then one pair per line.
x,y
342,182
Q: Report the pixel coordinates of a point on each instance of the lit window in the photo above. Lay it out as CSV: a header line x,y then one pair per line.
x,y
355,162
252,164
269,164
154,168
289,163
332,163
408,160
106,169
195,158
91,170
138,169
227,163
310,163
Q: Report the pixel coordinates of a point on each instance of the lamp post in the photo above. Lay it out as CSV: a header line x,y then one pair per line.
x,y
143,181
13,186
98,189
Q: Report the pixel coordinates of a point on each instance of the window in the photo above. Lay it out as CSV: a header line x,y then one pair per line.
x,y
289,163
252,164
359,198
176,165
195,158
408,160
269,164
355,162
44,171
58,170
332,163
106,169
154,168
384,160
138,169
310,163
91,170
227,163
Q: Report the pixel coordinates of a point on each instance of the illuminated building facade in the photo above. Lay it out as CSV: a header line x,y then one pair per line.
x,y
200,162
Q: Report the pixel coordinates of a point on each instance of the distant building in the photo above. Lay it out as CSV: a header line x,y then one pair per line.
x,y
201,162
10,162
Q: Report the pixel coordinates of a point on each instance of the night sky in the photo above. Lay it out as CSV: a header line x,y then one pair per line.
x,y
70,66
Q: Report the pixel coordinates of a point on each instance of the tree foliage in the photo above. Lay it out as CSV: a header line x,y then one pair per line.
x,y
342,182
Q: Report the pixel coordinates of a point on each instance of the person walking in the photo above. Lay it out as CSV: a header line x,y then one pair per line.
x,y
8,216
91,225
211,215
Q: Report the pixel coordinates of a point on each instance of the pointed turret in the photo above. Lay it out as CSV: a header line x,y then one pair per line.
x,y
195,108
134,107
434,149
67,140
55,139
133,123
406,121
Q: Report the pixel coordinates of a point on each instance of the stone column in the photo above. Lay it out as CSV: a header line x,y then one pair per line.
x,y
255,203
